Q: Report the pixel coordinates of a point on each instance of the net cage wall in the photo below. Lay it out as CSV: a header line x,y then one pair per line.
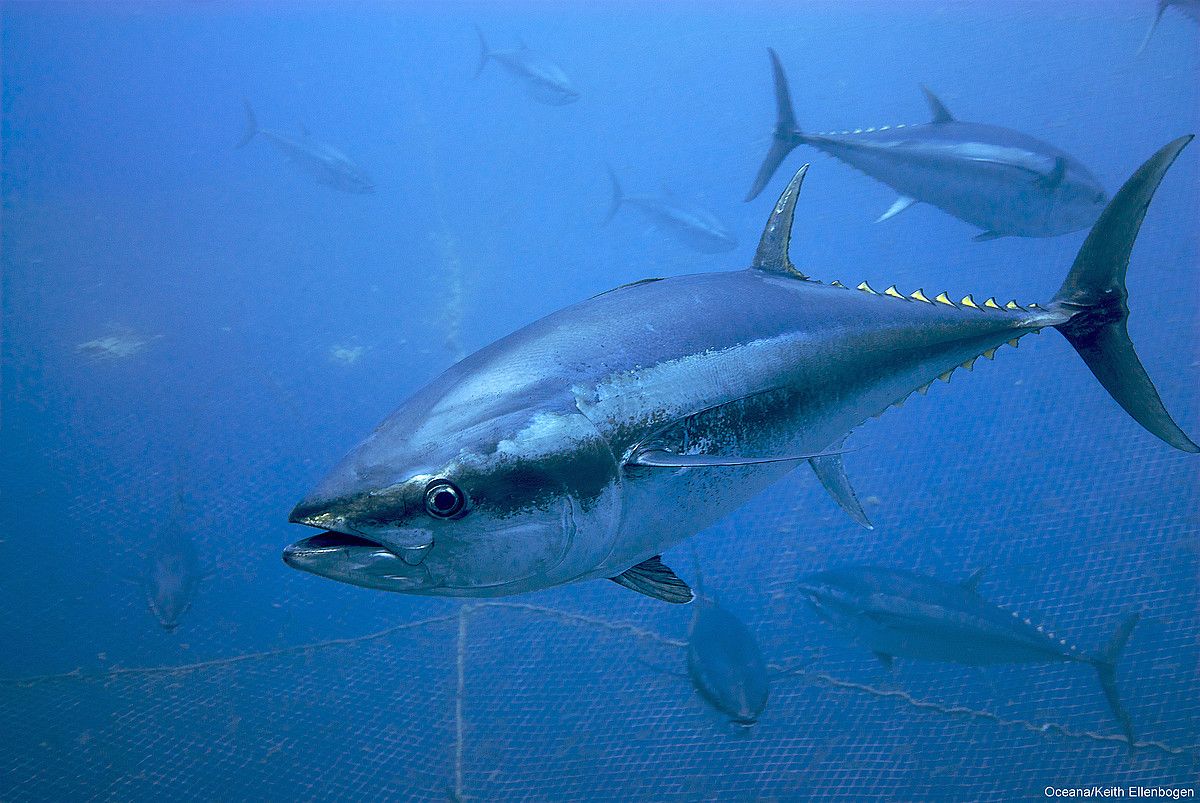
x,y
279,685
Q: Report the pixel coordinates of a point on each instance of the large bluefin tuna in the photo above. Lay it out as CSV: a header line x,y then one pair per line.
x,y
172,575
896,613
1005,182
324,163
543,80
725,664
697,228
585,444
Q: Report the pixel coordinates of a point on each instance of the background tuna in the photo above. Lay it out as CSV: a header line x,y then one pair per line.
x,y
163,290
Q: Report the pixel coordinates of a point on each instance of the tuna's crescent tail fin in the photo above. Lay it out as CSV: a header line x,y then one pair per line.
x,y
786,135
1162,6
484,53
1106,668
250,127
618,197
1094,299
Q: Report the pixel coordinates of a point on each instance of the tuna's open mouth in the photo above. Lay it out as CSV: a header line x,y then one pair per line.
x,y
324,543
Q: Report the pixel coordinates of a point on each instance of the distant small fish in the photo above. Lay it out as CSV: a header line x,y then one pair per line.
x,y
120,345
696,228
346,355
725,663
1189,8
323,162
1005,182
544,81
897,613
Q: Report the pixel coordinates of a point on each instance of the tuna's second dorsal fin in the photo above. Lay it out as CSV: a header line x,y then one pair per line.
x,y
940,113
772,254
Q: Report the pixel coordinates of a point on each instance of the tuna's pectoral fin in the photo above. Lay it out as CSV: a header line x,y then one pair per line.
x,y
940,113
888,661
988,235
655,457
901,204
832,474
1056,175
652,578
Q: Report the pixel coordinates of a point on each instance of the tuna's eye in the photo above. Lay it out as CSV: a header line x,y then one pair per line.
x,y
443,499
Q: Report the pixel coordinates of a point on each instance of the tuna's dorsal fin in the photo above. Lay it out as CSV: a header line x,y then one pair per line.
x,y
940,113
832,474
652,578
888,661
657,457
772,254
972,583
901,204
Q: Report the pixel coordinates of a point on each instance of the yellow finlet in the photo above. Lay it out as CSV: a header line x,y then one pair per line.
x,y
920,296
836,283
894,293
1014,342
970,364
924,388
866,288
1014,305
944,299
1034,306
990,354
946,376
991,303
967,301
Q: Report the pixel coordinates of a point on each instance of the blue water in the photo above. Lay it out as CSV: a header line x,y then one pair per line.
x,y
232,277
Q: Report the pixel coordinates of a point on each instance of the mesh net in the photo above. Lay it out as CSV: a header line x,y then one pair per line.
x,y
310,690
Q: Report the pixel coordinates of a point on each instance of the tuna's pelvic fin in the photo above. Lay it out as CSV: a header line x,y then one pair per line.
x,y
888,661
484,52
987,235
652,578
832,474
786,135
1094,297
1056,175
940,113
772,254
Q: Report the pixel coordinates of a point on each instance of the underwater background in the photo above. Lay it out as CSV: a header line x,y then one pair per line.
x,y
193,334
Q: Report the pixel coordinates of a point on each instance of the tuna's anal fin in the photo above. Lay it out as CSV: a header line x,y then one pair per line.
x,y
988,235
249,125
940,113
902,203
772,254
832,474
888,661
1093,298
652,578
